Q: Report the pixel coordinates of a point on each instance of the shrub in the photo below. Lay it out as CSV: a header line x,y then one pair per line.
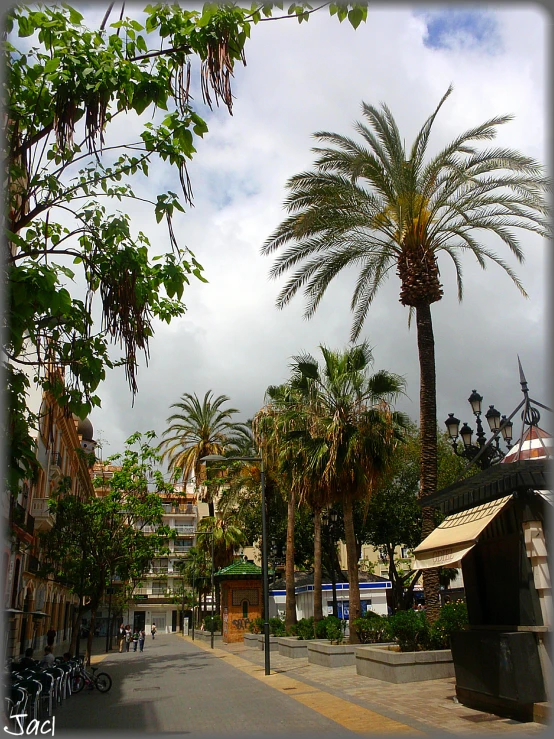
x,y
277,626
452,617
334,630
208,623
410,629
305,628
256,625
372,628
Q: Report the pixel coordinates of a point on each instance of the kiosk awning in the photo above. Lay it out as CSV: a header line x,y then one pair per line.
x,y
456,535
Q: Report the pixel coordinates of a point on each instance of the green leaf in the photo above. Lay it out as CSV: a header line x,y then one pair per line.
x,y
52,65
355,16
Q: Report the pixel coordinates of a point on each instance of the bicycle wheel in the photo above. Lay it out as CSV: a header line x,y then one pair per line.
x,y
77,683
103,682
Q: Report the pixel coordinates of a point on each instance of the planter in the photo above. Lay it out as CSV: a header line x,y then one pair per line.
x,y
292,647
207,636
382,663
273,642
330,655
251,640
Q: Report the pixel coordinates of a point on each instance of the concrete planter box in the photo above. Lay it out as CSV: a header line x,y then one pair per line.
x,y
378,661
206,636
330,655
251,640
292,647
273,642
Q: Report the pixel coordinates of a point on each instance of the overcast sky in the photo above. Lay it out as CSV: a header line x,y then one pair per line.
x,y
312,76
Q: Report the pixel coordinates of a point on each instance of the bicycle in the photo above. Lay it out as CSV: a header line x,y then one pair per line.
x,y
101,682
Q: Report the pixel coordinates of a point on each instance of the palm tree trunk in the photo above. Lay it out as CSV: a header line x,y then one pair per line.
x,y
352,564
318,601
290,601
428,435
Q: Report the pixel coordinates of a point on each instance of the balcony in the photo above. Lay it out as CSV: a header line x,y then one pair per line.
x,y
43,518
159,570
21,518
186,509
190,530
54,465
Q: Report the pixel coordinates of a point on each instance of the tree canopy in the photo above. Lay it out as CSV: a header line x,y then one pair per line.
x,y
67,177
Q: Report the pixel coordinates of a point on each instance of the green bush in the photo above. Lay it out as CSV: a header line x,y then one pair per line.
x,y
410,629
256,625
334,630
277,626
372,628
305,628
208,623
452,617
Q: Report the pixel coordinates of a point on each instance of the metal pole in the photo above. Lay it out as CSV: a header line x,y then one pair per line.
x,y
213,597
193,601
265,573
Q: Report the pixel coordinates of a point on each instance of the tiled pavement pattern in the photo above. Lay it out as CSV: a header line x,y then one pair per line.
x,y
181,686
427,707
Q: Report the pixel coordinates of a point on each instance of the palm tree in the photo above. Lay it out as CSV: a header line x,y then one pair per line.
x,y
351,433
196,430
375,206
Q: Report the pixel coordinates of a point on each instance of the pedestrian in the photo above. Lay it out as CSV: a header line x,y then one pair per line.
x,y
142,637
128,637
135,640
48,659
153,631
50,637
28,660
121,637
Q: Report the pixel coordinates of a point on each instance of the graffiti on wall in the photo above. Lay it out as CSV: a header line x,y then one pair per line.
x,y
241,624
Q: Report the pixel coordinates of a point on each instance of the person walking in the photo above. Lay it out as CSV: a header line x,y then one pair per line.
x,y
135,640
50,637
128,637
141,639
153,631
121,637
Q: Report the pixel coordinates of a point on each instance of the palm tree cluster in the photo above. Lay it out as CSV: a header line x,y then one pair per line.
x,y
331,431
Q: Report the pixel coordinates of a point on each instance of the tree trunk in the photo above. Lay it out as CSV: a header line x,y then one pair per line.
x,y
75,627
428,435
88,653
211,509
290,601
318,600
352,564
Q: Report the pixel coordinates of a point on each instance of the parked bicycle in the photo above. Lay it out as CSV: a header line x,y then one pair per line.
x,y
101,682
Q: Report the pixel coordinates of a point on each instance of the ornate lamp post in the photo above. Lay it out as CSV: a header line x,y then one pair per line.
x,y
484,454
329,519
265,577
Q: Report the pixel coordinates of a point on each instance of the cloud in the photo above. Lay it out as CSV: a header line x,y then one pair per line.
x,y
301,78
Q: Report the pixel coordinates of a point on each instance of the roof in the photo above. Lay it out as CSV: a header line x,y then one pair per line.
x,y
493,483
307,578
240,569
534,444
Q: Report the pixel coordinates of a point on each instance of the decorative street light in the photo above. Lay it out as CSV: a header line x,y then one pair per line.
x,y
265,579
329,519
484,454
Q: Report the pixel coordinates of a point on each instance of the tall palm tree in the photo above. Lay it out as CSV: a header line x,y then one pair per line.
x,y
196,430
351,433
376,206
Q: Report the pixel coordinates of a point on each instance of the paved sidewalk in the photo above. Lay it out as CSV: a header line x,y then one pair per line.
x,y
427,707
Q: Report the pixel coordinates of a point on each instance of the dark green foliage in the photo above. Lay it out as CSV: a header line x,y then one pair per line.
x,y
256,626
208,623
372,628
277,626
452,617
334,629
304,628
410,629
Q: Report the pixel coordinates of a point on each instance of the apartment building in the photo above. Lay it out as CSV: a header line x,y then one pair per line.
x,y
158,599
34,604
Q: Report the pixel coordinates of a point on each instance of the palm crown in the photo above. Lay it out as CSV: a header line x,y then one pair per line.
x,y
374,206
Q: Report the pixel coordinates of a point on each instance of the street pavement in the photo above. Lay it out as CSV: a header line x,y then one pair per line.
x,y
180,686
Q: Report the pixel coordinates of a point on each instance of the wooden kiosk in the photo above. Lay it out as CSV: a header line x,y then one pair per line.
x,y
241,598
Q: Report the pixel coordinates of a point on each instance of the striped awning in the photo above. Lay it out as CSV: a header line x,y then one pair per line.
x,y
534,444
456,536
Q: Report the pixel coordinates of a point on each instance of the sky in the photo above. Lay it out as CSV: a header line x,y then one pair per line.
x,y
301,78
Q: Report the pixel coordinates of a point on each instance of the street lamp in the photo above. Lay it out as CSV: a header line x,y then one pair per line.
x,y
329,519
484,453
265,579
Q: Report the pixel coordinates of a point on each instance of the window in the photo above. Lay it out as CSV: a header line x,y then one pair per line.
x,y
159,587
404,553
